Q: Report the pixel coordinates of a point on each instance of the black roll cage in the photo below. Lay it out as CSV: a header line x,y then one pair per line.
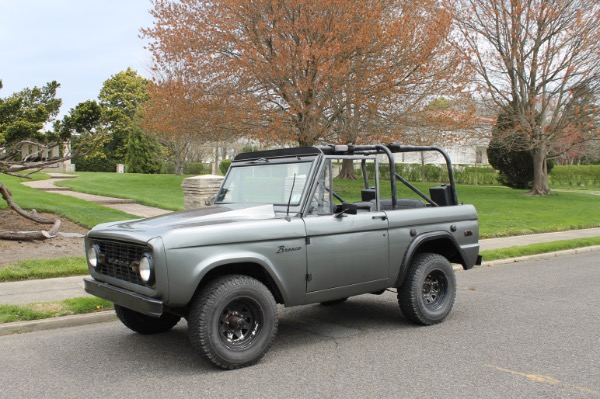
x,y
389,150
377,149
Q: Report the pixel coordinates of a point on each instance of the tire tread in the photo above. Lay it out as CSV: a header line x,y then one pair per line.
x,y
409,292
201,307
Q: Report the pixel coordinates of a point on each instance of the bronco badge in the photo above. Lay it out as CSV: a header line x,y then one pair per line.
x,y
281,249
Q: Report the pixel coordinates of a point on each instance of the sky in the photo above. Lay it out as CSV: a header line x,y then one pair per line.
x,y
78,43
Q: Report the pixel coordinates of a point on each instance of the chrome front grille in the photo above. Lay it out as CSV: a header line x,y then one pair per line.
x,y
120,260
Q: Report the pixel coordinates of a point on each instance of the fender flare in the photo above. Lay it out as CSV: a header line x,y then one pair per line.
x,y
212,264
418,242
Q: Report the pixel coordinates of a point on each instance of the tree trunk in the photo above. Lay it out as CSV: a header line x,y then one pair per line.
x,y
215,162
423,166
178,162
540,173
347,171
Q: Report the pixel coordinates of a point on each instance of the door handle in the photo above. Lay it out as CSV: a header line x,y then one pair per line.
x,y
383,217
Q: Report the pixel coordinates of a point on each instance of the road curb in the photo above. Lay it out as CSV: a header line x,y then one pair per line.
x,y
548,255
56,322
105,316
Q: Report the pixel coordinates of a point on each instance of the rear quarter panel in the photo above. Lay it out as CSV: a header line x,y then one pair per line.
x,y
431,219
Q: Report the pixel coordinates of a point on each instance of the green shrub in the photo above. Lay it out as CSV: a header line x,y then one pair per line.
x,y
143,153
575,176
167,168
197,168
224,166
515,166
476,175
85,164
560,176
436,173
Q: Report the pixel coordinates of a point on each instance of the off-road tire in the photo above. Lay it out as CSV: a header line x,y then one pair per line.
x,y
143,324
427,295
233,321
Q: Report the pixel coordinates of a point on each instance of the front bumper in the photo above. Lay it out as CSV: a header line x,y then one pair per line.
x,y
128,299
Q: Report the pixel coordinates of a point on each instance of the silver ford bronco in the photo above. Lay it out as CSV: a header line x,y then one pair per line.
x,y
283,230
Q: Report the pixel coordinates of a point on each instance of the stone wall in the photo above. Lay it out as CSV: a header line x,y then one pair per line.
x,y
198,191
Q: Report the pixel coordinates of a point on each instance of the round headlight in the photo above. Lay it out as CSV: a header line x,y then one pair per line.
x,y
146,269
92,256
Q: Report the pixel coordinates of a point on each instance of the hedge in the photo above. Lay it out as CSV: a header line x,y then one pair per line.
x,y
575,176
561,176
193,168
88,164
463,174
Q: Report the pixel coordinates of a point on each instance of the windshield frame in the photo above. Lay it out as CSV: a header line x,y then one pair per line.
x,y
295,202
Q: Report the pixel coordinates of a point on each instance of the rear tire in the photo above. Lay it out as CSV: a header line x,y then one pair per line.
x,y
233,321
427,295
143,324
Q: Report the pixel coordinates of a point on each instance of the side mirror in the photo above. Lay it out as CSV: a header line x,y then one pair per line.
x,y
347,209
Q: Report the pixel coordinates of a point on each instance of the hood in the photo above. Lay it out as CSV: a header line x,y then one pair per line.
x,y
146,229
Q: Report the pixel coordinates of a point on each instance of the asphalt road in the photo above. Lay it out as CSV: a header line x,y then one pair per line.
x,y
528,330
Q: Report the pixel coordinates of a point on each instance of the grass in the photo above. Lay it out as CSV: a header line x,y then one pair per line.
x,y
79,211
160,191
505,212
44,310
502,211
43,268
535,249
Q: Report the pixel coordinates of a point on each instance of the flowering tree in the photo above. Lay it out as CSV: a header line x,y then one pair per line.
x,y
306,71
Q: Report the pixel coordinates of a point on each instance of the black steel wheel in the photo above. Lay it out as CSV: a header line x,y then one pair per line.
x,y
143,324
240,323
233,321
435,289
427,295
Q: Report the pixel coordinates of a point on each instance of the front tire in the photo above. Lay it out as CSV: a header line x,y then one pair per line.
x,y
427,295
143,324
233,321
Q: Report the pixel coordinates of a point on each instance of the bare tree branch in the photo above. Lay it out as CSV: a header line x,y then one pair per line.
x,y
32,215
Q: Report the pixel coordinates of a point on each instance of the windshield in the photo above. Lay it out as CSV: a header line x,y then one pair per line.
x,y
265,183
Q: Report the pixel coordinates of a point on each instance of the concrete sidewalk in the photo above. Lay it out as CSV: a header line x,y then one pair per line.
x,y
48,290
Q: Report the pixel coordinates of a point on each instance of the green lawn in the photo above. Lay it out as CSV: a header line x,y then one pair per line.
x,y
502,211
535,249
160,191
44,268
506,212
44,310
82,212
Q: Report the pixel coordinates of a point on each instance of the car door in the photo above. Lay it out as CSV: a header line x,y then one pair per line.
x,y
347,250
344,249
